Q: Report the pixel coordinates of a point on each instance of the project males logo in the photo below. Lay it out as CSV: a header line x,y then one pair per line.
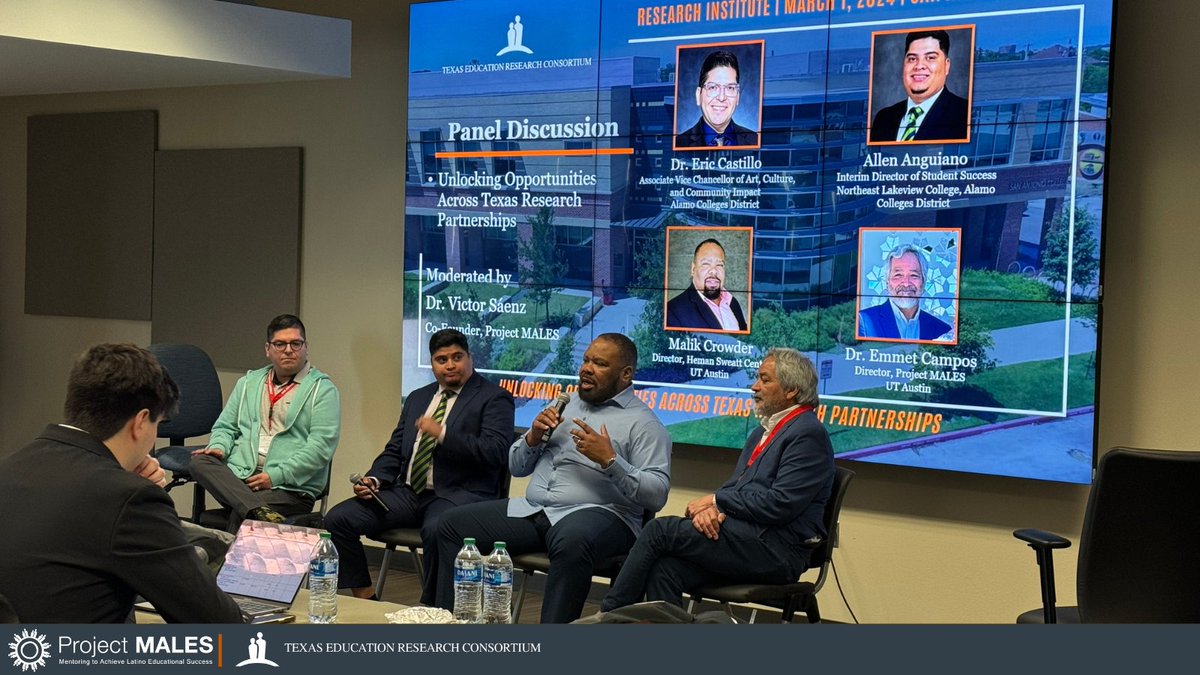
x,y
29,649
516,34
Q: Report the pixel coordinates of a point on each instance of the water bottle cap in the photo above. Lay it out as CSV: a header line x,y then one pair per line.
x,y
469,541
325,535
500,545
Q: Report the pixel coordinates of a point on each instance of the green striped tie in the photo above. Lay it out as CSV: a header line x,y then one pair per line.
x,y
911,130
424,456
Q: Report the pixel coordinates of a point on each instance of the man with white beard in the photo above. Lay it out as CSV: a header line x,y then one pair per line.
x,y
763,523
901,317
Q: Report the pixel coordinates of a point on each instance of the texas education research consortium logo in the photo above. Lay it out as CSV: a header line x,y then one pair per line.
x,y
29,650
516,33
258,653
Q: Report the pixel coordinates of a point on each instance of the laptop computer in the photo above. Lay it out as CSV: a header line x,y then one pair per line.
x,y
266,565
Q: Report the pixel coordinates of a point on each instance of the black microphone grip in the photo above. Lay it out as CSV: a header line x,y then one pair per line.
x,y
359,479
560,404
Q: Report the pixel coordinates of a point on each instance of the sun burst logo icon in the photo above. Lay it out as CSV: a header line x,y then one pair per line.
x,y
29,650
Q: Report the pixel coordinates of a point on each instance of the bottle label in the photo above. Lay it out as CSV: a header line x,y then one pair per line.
x,y
467,575
323,568
498,576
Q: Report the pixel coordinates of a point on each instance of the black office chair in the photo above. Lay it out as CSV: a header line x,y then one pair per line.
x,y
199,406
315,518
797,595
539,562
410,538
1139,554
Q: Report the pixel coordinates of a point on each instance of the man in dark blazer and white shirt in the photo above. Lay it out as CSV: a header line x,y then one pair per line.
x,y
762,524
930,112
88,525
465,460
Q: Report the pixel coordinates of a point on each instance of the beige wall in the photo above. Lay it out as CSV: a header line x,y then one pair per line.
x,y
916,546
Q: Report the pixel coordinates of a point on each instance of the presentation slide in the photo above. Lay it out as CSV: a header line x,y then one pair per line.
x,y
911,193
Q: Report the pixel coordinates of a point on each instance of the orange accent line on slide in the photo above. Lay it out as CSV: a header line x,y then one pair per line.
x,y
535,153
220,651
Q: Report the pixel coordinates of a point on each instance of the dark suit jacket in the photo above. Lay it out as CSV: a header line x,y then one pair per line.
x,y
83,536
471,462
694,137
688,310
784,493
946,120
880,322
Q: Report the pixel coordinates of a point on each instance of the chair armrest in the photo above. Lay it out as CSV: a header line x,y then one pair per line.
x,y
1041,540
1043,544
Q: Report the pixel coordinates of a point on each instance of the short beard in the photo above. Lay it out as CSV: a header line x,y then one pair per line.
x,y
763,412
595,396
714,294
905,302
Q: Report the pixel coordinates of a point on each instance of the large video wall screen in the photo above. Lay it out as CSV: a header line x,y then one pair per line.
x,y
911,193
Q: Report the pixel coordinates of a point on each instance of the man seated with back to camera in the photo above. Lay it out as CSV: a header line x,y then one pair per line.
x,y
608,459
269,451
80,546
443,453
762,524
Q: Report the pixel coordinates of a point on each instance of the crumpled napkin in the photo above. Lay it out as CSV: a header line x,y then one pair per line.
x,y
420,615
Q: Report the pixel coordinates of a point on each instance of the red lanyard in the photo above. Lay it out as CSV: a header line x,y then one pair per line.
x,y
273,396
762,445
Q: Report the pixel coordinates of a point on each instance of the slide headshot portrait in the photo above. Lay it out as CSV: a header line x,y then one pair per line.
x,y
909,285
724,109
921,85
712,266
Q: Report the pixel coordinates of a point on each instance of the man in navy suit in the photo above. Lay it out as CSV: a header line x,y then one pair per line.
x,y
705,304
450,448
718,93
762,524
931,112
901,317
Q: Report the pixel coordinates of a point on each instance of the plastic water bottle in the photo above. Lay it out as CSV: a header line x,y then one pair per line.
x,y
323,583
468,575
497,586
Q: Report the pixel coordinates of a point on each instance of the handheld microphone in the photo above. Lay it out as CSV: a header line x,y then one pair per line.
x,y
560,403
357,479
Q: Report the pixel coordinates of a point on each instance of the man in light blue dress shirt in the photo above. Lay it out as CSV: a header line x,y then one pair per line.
x,y
607,461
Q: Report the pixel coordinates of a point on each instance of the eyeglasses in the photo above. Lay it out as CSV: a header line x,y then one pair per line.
x,y
280,345
712,89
